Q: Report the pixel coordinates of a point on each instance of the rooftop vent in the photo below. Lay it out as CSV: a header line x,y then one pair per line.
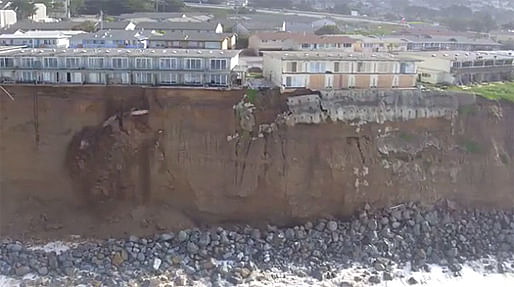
x,y
107,51
199,52
174,51
446,55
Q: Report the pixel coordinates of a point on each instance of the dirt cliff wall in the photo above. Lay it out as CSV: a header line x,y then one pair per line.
x,y
90,161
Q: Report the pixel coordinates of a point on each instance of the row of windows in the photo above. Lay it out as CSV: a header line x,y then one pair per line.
x,y
138,78
354,66
302,81
117,63
482,63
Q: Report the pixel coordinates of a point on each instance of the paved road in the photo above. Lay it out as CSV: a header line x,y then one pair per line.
x,y
318,15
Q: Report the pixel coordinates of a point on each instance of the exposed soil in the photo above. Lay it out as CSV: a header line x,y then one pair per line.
x,y
75,161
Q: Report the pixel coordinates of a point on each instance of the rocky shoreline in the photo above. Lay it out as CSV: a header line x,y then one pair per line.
x,y
379,241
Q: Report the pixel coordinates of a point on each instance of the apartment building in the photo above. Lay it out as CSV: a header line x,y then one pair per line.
x,y
441,43
167,26
192,40
463,67
333,70
39,39
159,67
111,39
283,41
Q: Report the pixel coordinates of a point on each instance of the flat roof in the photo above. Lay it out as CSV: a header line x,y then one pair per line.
x,y
40,34
338,56
193,36
101,52
463,55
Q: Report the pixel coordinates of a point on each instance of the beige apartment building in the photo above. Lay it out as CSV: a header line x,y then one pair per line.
x,y
332,70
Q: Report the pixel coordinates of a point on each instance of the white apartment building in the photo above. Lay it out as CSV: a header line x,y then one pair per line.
x,y
157,67
39,39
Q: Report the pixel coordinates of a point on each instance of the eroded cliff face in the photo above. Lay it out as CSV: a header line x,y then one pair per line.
x,y
103,161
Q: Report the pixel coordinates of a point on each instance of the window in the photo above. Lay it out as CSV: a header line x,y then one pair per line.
x,y
50,62
27,62
96,63
168,63
72,62
27,77
336,67
218,64
292,67
168,78
306,46
142,78
385,67
347,45
407,68
119,63
143,63
425,75
295,81
317,67
193,64
192,79
49,77
6,62
218,80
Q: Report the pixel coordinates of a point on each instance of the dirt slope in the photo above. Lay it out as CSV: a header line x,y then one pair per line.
x,y
80,161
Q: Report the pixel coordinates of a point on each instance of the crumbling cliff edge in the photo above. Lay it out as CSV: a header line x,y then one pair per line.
x,y
103,161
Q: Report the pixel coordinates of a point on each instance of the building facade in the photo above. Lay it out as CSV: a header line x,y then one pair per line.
x,y
7,18
332,70
462,67
192,40
158,67
290,41
111,39
39,39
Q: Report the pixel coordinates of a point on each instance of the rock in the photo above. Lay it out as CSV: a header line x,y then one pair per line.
x,y
256,234
412,281
396,225
22,270
332,226
141,257
192,248
180,281
374,279
205,239
235,279
373,225
387,276
117,259
14,247
454,267
167,236
156,263
182,236
42,271
133,238
345,284
244,272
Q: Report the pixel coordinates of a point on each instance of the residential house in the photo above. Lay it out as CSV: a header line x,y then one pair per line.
x,y
157,67
192,40
27,25
300,41
208,27
334,70
138,17
437,43
111,39
464,67
38,39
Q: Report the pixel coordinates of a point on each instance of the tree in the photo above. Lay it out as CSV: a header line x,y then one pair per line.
x,y
87,26
75,6
116,7
327,30
342,8
170,6
23,8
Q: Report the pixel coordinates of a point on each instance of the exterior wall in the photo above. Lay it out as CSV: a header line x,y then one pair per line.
x,y
7,18
184,44
59,42
385,81
272,69
362,81
148,72
254,42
